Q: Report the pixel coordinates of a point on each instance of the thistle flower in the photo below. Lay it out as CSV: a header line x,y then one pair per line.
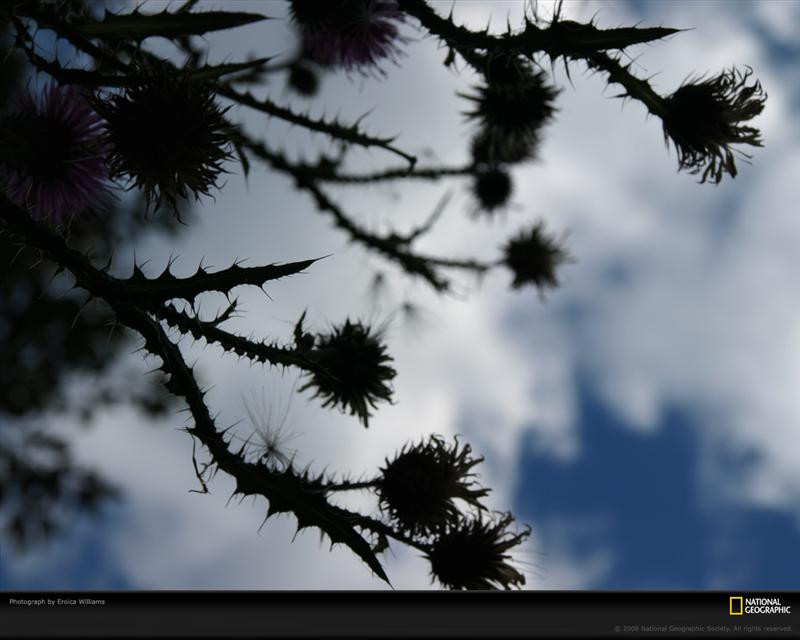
x,y
512,107
533,256
168,135
471,554
355,373
492,188
348,34
51,154
704,118
418,488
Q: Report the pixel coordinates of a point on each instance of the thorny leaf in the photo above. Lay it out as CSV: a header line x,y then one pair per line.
x,y
138,26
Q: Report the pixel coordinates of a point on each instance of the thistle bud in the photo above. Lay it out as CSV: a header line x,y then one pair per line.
x,y
355,374
303,79
419,487
348,34
51,154
704,118
512,107
472,554
167,135
492,188
533,257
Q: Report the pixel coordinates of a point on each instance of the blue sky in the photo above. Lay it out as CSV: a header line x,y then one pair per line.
x,y
640,494
643,418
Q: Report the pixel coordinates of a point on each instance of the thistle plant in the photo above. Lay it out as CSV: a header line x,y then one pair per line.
x,y
164,128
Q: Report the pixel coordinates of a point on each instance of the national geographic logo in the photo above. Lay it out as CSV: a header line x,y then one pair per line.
x,y
739,606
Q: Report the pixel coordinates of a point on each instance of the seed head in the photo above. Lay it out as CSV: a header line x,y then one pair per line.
x,y
705,118
271,432
472,554
349,34
419,487
355,374
533,257
167,134
51,155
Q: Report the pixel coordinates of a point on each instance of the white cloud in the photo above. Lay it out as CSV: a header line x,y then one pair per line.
x,y
708,314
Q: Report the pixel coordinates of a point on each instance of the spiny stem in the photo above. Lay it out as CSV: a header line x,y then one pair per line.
x,y
426,173
376,526
256,351
559,38
393,246
353,486
635,88
334,129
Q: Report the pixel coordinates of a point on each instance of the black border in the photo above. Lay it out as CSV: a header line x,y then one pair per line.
x,y
406,614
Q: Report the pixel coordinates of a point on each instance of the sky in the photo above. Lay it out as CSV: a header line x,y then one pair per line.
x,y
642,418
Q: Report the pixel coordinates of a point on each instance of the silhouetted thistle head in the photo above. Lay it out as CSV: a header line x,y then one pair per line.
x,y
348,34
492,188
533,256
472,554
511,108
167,134
355,373
419,486
704,118
52,156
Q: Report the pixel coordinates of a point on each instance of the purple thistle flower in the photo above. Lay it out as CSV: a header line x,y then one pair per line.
x,y
52,158
348,34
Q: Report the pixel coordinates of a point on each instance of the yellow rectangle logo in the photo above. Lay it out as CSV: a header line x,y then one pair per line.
x,y
737,605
